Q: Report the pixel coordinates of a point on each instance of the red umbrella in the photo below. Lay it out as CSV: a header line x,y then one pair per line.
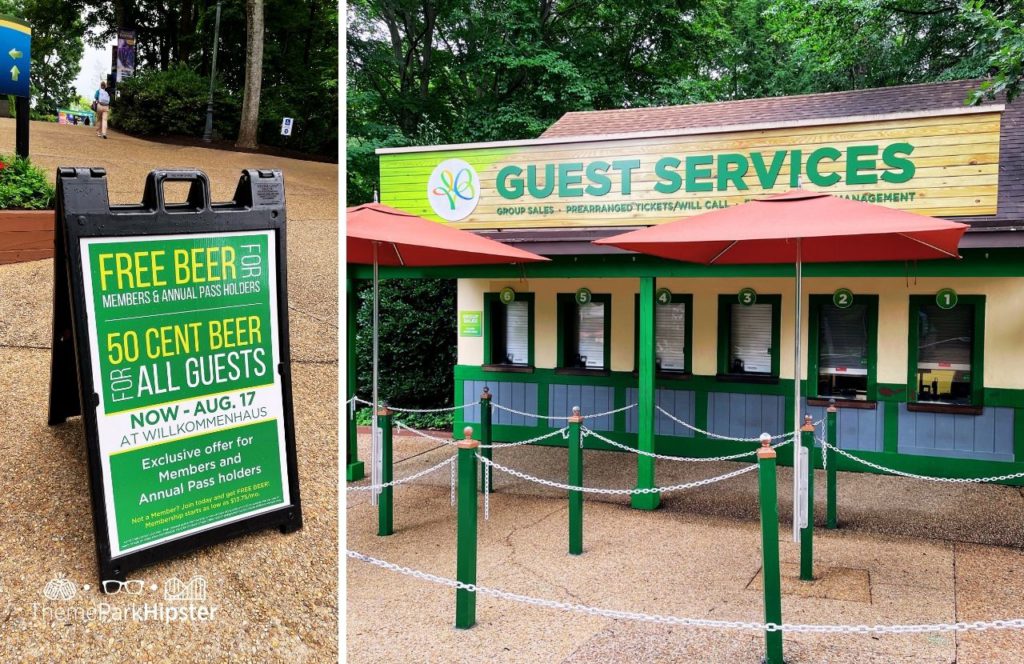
x,y
824,229
380,235
796,227
405,239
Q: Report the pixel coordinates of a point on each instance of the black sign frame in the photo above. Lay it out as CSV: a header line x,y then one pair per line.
x,y
83,211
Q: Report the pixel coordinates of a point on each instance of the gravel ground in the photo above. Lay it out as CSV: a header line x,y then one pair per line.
x,y
275,596
906,552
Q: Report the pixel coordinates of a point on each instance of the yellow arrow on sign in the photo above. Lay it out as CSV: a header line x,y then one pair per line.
x,y
15,53
14,73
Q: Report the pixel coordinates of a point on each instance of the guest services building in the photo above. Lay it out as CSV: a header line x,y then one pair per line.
x,y
925,361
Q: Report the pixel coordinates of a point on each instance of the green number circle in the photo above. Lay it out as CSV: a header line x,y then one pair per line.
x,y
583,296
842,298
663,296
747,296
507,295
946,298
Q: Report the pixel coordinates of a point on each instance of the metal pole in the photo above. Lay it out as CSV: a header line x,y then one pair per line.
x,y
386,508
807,533
796,390
770,574
645,400
575,479
374,456
830,462
354,470
208,130
486,437
22,109
465,545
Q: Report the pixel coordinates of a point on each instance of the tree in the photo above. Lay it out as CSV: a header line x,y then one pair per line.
x,y
56,49
247,130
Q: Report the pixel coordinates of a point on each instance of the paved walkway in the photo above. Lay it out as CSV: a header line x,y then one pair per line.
x,y
906,552
276,595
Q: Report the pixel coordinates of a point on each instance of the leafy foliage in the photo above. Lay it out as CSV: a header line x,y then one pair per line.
x,y
57,48
156,103
300,64
23,186
417,343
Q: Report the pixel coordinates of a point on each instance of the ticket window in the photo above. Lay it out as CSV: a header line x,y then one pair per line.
x,y
672,331
509,341
749,337
584,333
945,353
843,336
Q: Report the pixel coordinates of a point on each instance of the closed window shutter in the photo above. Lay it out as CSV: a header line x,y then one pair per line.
x,y
590,317
945,337
670,336
517,330
844,338
751,339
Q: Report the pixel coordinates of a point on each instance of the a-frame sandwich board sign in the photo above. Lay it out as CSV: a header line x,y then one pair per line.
x,y
170,339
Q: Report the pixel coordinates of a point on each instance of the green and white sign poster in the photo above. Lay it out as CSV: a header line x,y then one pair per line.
x,y
184,346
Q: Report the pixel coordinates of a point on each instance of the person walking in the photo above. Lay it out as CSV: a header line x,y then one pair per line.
x,y
101,104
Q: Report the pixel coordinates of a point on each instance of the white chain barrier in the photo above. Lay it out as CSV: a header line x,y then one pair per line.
x,y
616,492
590,432
559,417
711,434
453,481
403,480
447,441
487,493
893,471
792,628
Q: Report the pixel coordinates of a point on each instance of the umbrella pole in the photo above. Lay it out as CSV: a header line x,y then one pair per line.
x,y
374,438
797,475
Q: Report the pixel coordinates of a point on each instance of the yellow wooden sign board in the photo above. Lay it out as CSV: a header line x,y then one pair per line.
x,y
937,165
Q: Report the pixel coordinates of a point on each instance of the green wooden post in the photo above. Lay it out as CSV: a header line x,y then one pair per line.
x,y
354,470
575,479
807,532
770,572
831,459
386,500
465,601
486,479
645,400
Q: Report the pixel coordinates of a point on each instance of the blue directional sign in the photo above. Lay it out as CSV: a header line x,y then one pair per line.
x,y
15,47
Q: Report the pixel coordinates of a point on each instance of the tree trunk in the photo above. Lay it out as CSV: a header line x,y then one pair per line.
x,y
253,74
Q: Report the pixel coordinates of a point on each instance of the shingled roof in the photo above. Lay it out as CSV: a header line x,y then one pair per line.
x,y
876,101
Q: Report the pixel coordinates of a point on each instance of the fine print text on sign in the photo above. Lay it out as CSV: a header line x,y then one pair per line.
x,y
182,362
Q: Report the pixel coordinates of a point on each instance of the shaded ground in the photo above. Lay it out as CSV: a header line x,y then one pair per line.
x,y
275,595
906,552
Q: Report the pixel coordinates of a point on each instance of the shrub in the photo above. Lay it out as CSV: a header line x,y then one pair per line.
x,y
163,103
23,186
417,344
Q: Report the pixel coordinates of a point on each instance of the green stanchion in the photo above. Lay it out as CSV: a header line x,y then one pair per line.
x,y
575,479
770,570
807,532
487,479
386,499
831,517
465,566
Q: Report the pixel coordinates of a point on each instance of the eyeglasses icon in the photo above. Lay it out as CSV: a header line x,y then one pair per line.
x,y
132,587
